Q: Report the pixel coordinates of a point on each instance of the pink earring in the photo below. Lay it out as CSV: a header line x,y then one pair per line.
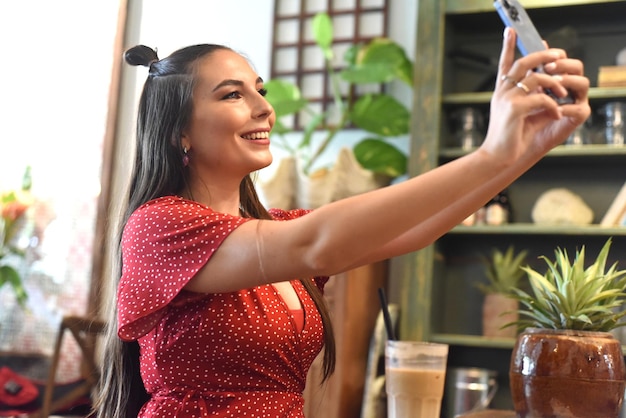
x,y
185,157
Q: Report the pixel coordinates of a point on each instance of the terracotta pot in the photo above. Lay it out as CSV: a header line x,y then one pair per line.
x,y
499,310
567,374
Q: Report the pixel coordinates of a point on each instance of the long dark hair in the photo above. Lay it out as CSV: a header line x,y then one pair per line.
x,y
164,111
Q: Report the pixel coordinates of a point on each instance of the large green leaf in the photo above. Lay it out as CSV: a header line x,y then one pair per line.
x,y
285,97
8,275
369,73
381,114
322,26
380,61
381,157
349,57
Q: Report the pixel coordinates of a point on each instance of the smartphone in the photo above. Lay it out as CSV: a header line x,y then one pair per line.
x,y
514,16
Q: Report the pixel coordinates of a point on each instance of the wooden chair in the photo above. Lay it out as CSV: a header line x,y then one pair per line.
x,y
84,330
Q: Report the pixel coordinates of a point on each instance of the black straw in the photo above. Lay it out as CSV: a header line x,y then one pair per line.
x,y
386,316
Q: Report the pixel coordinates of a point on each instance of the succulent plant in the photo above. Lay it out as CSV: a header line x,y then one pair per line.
x,y
503,270
570,296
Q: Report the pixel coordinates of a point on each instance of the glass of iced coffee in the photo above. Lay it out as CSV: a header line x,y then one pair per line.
x,y
415,375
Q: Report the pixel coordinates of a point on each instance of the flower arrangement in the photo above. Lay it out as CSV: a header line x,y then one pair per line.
x,y
14,205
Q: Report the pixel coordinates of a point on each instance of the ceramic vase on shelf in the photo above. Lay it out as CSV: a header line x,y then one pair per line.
x,y
290,188
499,310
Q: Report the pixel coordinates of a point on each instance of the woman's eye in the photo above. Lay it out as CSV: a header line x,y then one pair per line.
x,y
233,95
262,92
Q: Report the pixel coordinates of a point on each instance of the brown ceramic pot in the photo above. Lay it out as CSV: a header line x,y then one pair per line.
x,y
567,374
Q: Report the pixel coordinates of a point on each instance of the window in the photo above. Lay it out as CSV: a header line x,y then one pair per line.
x,y
296,57
56,84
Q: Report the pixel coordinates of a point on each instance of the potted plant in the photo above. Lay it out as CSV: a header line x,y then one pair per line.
x,y
565,363
374,160
503,271
14,205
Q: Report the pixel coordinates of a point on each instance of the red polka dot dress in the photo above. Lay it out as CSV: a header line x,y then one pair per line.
x,y
238,354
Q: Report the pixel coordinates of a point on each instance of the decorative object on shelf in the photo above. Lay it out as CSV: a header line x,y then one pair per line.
x,y
580,136
498,209
14,205
468,390
289,189
612,76
613,114
616,214
503,271
566,363
620,58
561,206
380,61
469,125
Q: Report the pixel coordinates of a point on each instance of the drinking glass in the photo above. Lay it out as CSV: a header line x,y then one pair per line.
x,y
415,376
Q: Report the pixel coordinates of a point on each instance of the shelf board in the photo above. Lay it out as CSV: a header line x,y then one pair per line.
x,y
473,340
533,229
483,97
591,150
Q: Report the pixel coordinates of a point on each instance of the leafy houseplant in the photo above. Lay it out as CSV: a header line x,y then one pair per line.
x,y
503,271
379,114
13,207
565,359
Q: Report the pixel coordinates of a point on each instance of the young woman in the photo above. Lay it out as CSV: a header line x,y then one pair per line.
x,y
219,301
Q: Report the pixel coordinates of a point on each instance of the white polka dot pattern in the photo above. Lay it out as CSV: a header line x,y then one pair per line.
x,y
233,354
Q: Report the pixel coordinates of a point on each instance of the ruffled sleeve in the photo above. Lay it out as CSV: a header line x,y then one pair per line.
x,y
164,243
285,215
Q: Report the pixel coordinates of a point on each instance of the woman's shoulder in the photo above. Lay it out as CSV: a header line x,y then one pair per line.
x,y
173,212
165,203
174,207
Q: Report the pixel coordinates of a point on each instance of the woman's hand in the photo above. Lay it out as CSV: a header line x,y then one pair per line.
x,y
523,119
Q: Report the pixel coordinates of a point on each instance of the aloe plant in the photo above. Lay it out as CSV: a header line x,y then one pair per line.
x,y
503,271
570,296
381,115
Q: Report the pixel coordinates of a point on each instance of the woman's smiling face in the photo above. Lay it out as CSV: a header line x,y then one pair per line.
x,y
228,134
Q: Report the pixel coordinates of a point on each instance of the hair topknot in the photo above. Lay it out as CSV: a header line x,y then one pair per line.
x,y
141,55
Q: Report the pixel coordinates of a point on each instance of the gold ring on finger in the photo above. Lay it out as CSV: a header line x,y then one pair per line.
x,y
505,77
522,86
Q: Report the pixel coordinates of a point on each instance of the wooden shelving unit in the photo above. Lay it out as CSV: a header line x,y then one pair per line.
x,y
435,287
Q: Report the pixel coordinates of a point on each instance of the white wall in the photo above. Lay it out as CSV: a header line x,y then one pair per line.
x,y
53,71
244,25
